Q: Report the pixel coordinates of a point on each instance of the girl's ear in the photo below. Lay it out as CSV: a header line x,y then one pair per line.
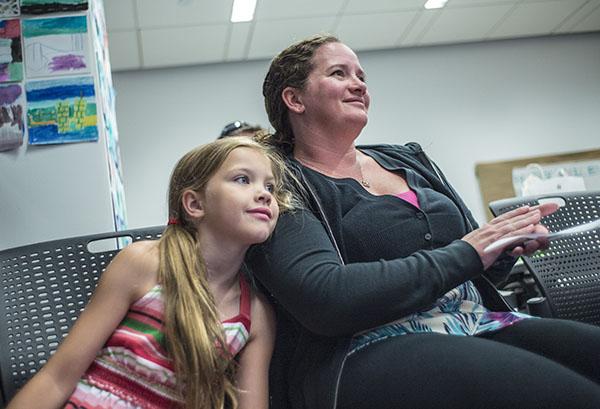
x,y
192,204
292,98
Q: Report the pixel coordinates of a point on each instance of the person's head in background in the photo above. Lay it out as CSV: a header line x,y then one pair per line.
x,y
240,128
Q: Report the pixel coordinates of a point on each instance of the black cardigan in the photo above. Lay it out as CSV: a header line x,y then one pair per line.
x,y
396,260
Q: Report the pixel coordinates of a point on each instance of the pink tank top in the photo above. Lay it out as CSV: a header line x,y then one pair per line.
x,y
410,196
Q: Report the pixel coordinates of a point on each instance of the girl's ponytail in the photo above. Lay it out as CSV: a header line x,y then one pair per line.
x,y
193,330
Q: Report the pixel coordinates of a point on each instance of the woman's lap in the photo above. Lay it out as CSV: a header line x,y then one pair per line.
x,y
495,371
570,343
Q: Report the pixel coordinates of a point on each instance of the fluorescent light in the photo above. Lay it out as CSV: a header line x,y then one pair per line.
x,y
435,4
243,10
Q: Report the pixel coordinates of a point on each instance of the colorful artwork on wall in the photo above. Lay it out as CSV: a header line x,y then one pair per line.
x,y
12,125
106,102
56,46
9,8
52,6
11,57
61,111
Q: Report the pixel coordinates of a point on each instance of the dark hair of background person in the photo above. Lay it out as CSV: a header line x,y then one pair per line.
x,y
239,128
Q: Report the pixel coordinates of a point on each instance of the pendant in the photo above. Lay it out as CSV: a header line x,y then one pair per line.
x,y
365,183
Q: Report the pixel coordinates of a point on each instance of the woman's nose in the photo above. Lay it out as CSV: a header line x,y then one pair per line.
x,y
359,86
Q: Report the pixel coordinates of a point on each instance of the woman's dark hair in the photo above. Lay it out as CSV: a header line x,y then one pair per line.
x,y
290,68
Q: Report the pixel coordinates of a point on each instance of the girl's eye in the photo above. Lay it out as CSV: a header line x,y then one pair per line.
x,y
270,187
242,179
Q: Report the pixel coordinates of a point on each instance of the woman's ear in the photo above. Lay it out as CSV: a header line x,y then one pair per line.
x,y
292,99
192,204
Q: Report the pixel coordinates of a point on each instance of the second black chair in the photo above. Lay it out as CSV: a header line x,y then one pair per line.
x,y
568,272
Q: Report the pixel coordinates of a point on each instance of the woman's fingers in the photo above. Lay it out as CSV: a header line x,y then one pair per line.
x,y
519,221
535,245
516,224
522,220
517,251
531,246
546,208
509,215
510,222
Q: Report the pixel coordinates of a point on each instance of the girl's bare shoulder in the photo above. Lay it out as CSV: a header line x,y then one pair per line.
x,y
261,312
138,264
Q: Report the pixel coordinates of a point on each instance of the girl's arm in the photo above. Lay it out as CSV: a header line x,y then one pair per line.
x,y
129,275
253,372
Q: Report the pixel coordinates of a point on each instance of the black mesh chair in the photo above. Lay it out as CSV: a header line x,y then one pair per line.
x,y
44,288
568,272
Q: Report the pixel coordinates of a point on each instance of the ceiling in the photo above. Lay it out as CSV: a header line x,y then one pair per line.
x,y
147,34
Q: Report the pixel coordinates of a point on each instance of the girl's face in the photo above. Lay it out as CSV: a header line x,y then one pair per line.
x,y
336,89
238,201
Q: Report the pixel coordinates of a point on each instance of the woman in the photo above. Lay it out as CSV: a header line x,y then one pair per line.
x,y
383,282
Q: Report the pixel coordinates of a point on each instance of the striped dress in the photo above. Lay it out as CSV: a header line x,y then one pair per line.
x,y
132,370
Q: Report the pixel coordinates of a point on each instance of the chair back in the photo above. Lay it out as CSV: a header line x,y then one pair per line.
x,y
568,272
43,289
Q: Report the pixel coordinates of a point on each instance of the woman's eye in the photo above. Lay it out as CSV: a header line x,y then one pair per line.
x,y
242,179
338,73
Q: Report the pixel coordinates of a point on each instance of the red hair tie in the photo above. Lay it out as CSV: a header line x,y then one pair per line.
x,y
172,221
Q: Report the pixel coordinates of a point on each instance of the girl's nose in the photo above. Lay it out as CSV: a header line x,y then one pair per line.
x,y
264,195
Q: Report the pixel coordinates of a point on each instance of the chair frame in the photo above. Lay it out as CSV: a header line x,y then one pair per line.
x,y
43,289
568,272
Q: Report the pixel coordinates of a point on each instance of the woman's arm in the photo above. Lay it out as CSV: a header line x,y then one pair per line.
x,y
302,270
253,372
126,279
522,220
503,262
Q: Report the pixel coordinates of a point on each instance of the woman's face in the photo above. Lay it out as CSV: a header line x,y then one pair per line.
x,y
336,92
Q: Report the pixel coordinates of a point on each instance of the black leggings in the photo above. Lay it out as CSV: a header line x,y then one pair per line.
x,y
535,363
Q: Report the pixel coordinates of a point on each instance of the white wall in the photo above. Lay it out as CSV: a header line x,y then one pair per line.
x,y
53,192
464,103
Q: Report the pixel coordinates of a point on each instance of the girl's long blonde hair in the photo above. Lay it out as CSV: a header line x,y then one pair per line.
x,y
193,331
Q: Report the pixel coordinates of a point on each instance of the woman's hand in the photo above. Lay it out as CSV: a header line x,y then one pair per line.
x,y
522,220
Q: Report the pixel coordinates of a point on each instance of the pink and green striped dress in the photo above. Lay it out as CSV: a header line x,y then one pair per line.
x,y
132,370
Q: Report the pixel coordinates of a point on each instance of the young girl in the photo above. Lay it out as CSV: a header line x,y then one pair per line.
x,y
169,316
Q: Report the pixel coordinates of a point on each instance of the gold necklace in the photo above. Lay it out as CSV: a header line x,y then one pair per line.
x,y
363,181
